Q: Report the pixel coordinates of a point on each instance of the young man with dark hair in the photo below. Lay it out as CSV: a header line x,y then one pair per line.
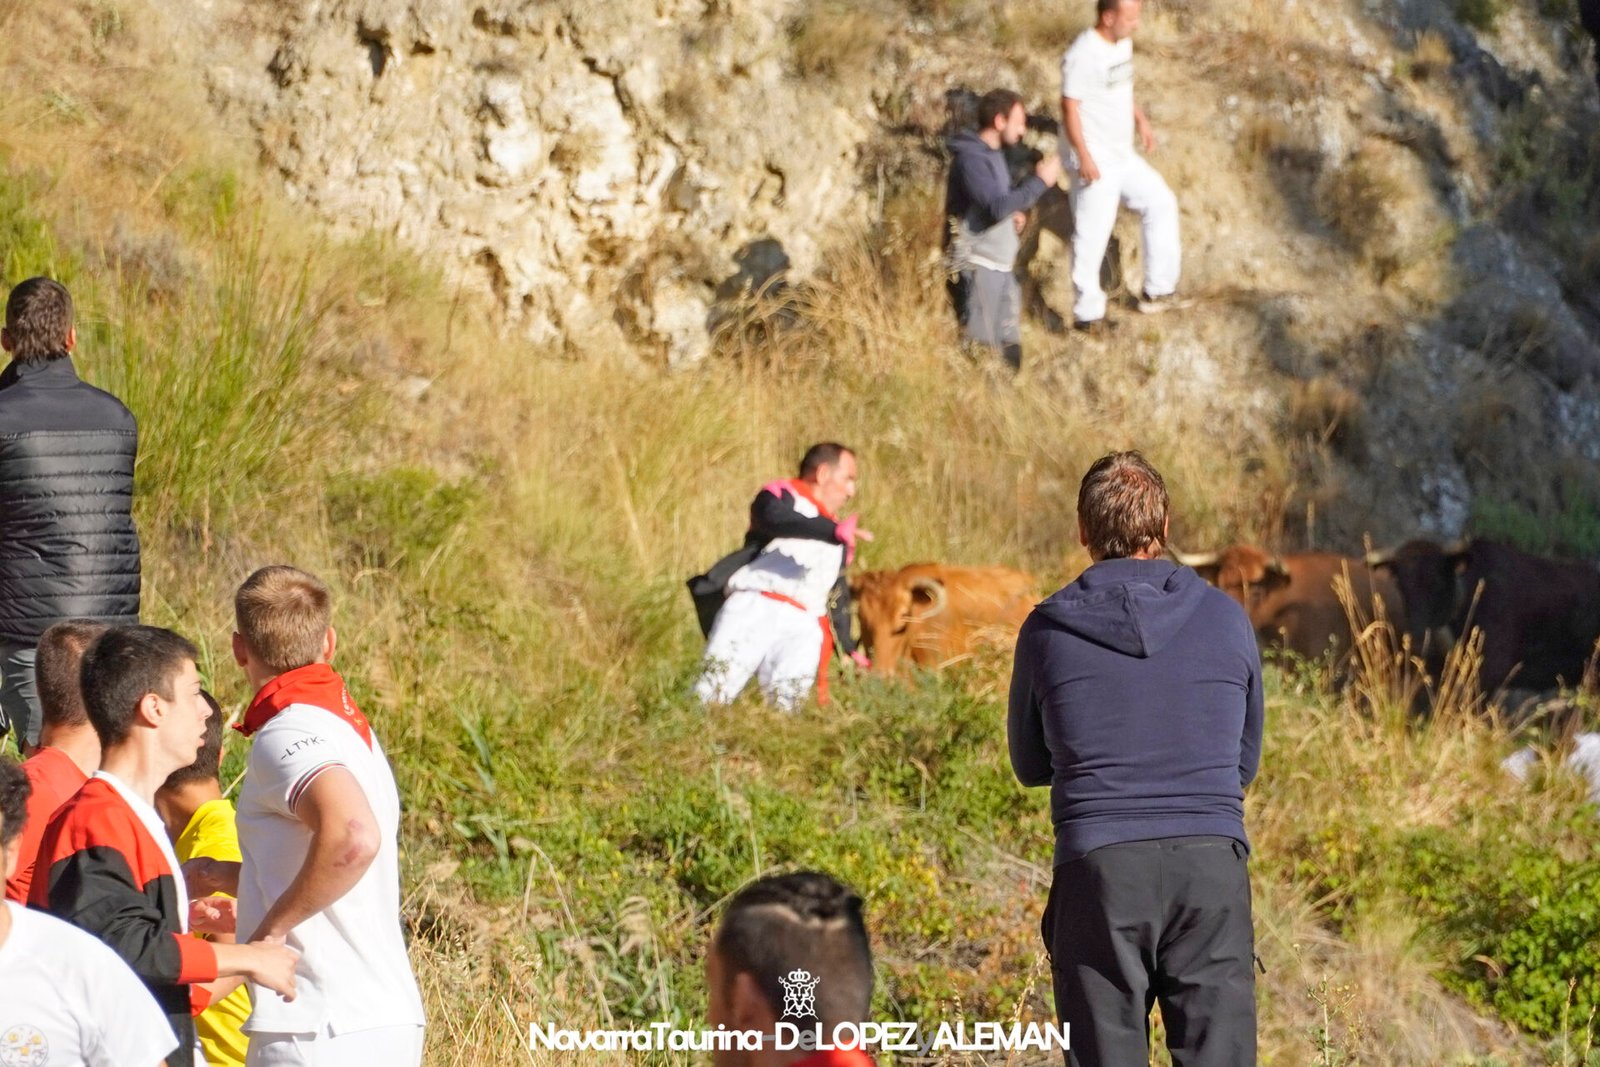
x,y
1136,696
105,864
319,821
68,1001
984,221
1100,119
776,608
68,547
200,824
773,927
69,749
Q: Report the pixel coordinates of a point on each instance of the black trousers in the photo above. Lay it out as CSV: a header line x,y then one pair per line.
x,y
1146,922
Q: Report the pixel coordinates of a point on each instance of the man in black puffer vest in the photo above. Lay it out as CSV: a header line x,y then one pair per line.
x,y
68,547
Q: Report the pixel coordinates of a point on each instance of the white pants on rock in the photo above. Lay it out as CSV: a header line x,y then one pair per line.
x,y
778,643
383,1046
1134,182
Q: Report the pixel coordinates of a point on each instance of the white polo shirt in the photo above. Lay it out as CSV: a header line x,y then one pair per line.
x,y
71,1002
353,972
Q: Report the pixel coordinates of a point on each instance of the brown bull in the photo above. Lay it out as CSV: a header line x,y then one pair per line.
x,y
1291,599
1540,617
934,614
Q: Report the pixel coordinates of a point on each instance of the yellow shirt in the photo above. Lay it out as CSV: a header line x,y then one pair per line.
x,y
211,834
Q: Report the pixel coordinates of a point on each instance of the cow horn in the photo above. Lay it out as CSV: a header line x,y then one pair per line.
x,y
1381,557
1195,559
939,597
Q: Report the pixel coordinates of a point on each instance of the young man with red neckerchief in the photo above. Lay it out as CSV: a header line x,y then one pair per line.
x,y
319,819
784,609
803,924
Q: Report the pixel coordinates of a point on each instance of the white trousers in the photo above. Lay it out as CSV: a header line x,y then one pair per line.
x,y
383,1046
778,643
1134,182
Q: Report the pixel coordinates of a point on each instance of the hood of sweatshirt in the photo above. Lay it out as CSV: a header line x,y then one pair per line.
x,y
968,143
1132,606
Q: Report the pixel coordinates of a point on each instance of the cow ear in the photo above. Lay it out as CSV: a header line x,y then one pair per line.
x,y
857,583
1209,572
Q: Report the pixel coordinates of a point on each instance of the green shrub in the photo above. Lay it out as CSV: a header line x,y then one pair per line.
x,y
1522,923
1480,14
397,516
1573,531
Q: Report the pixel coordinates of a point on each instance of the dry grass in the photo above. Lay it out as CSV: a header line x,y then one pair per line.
x,y
838,40
523,657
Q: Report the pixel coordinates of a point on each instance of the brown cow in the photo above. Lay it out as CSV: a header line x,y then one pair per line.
x,y
1290,598
1540,617
934,614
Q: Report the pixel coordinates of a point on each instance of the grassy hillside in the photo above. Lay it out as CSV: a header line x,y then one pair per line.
x,y
507,535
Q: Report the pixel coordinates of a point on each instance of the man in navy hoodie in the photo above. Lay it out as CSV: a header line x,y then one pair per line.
x,y
1136,696
984,220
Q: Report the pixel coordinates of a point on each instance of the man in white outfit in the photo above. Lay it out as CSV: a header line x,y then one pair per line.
x,y
319,821
785,605
1100,117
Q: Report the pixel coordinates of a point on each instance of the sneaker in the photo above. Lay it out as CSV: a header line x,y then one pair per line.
x,y
1093,327
1155,305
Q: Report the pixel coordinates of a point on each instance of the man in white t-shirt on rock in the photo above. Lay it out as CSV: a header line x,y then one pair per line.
x,y
319,819
1100,119
69,1000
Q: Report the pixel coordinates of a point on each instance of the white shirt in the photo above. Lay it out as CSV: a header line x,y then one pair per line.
x,y
1583,760
800,568
1099,76
353,972
69,1001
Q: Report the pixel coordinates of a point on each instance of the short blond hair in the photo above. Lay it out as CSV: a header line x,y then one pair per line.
x,y
283,614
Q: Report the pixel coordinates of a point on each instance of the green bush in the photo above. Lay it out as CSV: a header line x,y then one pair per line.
x,y
397,516
1480,14
1573,531
1523,923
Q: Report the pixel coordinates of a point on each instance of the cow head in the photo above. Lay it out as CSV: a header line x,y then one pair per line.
x,y
1426,573
1244,572
891,606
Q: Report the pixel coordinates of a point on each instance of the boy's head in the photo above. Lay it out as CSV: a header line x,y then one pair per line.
x,y
285,621
39,321
776,926
208,761
58,667
14,791
141,686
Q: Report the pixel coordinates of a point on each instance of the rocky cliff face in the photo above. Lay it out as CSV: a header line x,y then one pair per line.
x,y
1384,209
593,166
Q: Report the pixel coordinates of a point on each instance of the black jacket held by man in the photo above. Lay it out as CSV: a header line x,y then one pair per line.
x,y
68,547
1136,696
772,515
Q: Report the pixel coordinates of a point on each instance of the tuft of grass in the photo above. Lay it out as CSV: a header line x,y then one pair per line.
x,y
1480,14
838,40
1430,58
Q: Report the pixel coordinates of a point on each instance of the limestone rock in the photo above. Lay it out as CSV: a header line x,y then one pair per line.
x,y
550,152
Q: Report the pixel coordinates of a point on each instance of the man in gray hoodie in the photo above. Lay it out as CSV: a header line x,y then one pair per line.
x,y
984,217
1136,697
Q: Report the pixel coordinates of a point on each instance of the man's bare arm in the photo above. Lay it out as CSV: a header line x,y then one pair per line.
x,y
344,842
1072,122
1147,133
